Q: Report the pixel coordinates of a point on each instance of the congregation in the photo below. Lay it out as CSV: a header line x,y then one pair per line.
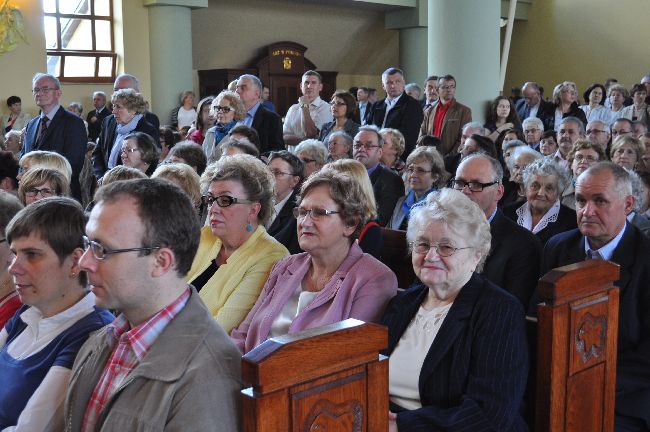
x,y
140,258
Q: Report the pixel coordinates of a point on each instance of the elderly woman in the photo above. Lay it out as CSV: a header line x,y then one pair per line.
x,y
204,120
139,151
236,253
44,159
185,114
548,145
584,154
13,143
339,145
543,214
40,342
457,344
313,155
616,95
128,112
565,96
41,183
638,111
232,146
521,157
9,300
394,146
594,107
228,110
333,279
343,107
502,116
627,151
16,119
188,153
425,173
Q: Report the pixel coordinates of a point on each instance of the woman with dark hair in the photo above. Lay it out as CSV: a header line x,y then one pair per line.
x,y
594,107
38,345
343,106
204,120
9,299
16,119
140,151
502,116
548,145
638,111
167,140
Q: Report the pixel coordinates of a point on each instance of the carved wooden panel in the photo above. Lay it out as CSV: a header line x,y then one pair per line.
x,y
589,334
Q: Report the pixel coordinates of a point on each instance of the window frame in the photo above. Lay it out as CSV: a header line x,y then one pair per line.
x,y
93,52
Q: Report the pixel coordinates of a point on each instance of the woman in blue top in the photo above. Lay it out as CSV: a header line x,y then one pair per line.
x,y
40,342
424,173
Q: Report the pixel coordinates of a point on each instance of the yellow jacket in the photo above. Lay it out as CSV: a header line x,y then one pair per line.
x,y
233,289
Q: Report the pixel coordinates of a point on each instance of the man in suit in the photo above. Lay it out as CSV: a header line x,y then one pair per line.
x,y
56,129
287,169
267,124
532,105
603,198
364,105
430,93
387,186
446,119
398,110
97,116
513,262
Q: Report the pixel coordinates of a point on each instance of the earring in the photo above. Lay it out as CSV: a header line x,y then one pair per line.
x,y
249,227
73,275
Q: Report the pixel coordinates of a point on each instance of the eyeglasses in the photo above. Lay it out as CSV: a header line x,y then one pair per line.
x,y
623,132
45,192
3,240
417,170
130,150
447,87
277,173
315,213
225,200
358,145
100,252
223,109
37,90
580,158
531,131
473,186
595,131
443,249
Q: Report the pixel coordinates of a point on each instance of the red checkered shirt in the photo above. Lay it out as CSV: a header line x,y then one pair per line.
x,y
132,346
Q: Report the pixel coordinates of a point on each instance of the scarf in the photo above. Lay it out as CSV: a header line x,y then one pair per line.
x,y
120,132
411,200
221,130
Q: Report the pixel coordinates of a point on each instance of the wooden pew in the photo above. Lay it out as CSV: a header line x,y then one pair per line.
x,y
331,379
576,348
396,256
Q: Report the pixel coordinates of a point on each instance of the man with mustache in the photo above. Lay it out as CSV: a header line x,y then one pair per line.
x,y
571,130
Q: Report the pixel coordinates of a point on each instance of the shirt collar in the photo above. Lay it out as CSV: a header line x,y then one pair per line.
x,y
608,249
254,109
38,324
494,213
371,170
277,207
50,115
391,102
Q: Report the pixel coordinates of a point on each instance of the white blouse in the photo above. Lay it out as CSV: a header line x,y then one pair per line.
x,y
298,301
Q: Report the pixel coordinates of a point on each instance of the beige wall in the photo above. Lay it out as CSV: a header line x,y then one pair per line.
x,y
584,41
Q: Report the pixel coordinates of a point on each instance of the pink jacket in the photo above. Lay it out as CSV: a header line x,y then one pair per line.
x,y
360,288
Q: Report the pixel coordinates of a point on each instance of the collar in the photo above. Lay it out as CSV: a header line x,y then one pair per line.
x,y
446,105
99,110
494,213
50,115
608,250
277,207
372,170
253,109
525,218
390,103
38,325
558,155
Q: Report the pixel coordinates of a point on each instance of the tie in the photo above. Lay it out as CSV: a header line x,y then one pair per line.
x,y
526,111
593,255
42,129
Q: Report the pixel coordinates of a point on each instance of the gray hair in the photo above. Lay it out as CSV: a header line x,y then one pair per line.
x,y
497,169
546,167
638,189
460,214
520,151
413,86
513,143
391,71
99,93
256,81
604,125
533,121
577,121
375,130
135,82
433,158
347,138
315,149
474,125
54,79
77,106
622,181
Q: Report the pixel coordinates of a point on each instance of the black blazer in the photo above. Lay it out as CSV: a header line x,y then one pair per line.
x,y
106,139
284,226
566,220
406,116
66,135
388,188
633,360
474,375
545,112
95,127
513,262
269,128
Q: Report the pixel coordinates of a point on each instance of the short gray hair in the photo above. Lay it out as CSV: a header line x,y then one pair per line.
x,y
256,81
460,214
99,93
534,121
622,182
346,137
577,121
315,149
638,189
135,82
413,86
474,125
54,79
520,151
546,167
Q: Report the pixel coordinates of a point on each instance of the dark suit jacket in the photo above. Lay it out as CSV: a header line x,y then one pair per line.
x,y
545,112
513,262
388,188
406,116
474,374
566,220
633,361
269,128
96,127
452,126
106,140
284,226
66,135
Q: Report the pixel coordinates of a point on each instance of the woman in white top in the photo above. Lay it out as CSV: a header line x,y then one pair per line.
x,y
457,345
594,108
638,111
39,343
185,114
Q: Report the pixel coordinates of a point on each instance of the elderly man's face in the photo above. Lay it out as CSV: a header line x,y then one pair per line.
x,y
447,89
600,209
533,134
597,132
366,148
393,84
531,96
248,92
99,101
46,95
479,170
568,134
621,128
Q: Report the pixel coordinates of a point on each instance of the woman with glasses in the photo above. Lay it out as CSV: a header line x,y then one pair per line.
x,y
584,154
228,110
343,106
236,253
627,151
313,155
139,151
41,183
457,343
333,279
425,173
38,345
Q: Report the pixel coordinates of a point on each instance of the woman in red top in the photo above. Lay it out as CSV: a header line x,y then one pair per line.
x,y
9,300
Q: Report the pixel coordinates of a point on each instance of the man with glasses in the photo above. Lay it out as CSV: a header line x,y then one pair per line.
x,y
267,123
446,119
287,170
56,129
386,184
598,132
513,262
533,131
622,126
164,363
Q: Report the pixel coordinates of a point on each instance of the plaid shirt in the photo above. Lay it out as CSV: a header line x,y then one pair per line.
x,y
132,346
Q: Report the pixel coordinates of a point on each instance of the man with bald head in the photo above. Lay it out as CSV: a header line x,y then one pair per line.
x,y
513,262
532,105
603,199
